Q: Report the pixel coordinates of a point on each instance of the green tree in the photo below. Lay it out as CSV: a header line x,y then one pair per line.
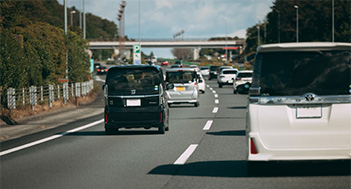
x,y
315,23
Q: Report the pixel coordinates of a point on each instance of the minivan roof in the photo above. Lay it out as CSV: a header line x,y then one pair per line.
x,y
305,46
180,69
134,66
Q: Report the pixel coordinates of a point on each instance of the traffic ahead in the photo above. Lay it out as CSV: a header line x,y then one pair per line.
x,y
205,148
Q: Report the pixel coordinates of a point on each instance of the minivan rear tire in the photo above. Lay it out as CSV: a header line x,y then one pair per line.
x,y
111,131
161,129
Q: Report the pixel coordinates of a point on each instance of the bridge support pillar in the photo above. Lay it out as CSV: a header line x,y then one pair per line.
x,y
196,53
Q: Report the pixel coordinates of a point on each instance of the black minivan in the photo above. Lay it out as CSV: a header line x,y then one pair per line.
x,y
135,98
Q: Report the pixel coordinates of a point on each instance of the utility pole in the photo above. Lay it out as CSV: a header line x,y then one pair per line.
x,y
297,23
65,17
333,21
84,22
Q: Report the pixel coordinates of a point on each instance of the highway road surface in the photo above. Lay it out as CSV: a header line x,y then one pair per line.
x,y
205,148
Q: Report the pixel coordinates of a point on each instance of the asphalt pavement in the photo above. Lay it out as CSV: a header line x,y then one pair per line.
x,y
205,148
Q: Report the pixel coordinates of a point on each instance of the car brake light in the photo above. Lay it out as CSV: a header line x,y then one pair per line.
x,y
253,149
106,118
238,79
161,117
195,83
106,70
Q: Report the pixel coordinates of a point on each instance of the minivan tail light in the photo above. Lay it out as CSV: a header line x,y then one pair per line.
x,y
253,149
106,118
161,117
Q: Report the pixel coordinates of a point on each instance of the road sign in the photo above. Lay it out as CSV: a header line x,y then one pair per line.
x,y
137,54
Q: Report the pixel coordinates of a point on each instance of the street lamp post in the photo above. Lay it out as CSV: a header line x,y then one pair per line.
x,y
72,12
65,18
258,35
121,20
84,22
278,26
226,45
333,21
297,23
80,15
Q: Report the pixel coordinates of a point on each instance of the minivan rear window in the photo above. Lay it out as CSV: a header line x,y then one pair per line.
x,y
181,77
297,73
229,72
214,68
127,81
245,75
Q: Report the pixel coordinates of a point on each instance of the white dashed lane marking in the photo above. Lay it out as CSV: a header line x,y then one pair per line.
x,y
208,125
186,154
215,110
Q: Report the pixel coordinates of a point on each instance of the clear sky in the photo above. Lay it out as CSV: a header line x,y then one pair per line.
x,y
164,18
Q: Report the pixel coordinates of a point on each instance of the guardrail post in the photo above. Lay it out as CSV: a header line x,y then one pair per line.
x,y
41,94
77,89
11,98
33,96
72,89
51,95
58,91
23,96
65,92
84,88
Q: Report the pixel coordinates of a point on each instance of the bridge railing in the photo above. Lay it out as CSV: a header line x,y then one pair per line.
x,y
160,39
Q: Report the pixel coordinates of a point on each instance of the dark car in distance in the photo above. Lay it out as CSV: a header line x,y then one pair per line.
x,y
101,70
213,72
135,97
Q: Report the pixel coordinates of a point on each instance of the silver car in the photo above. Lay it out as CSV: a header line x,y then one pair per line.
x,y
186,88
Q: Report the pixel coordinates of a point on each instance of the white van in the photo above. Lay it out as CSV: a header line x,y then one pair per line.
x,y
299,105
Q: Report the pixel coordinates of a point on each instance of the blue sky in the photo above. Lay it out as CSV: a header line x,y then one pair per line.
x,y
164,18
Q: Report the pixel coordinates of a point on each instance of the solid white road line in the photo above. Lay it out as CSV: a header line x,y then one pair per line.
x,y
98,78
49,138
215,110
216,95
185,156
216,101
208,125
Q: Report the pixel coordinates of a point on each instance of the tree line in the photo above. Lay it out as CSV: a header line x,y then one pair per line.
x,y
314,19
33,44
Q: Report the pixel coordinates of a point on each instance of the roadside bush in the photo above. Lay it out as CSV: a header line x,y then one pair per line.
x,y
36,55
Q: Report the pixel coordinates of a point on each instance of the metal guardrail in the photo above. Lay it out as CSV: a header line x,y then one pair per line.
x,y
46,94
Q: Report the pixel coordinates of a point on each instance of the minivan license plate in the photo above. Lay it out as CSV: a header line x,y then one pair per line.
x,y
180,88
308,111
133,102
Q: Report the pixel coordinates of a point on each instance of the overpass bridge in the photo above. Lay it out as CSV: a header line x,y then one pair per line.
x,y
195,44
